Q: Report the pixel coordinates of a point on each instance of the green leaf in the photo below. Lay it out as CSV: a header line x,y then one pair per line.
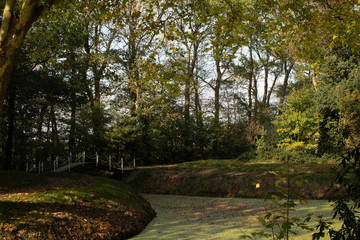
x,y
262,221
287,225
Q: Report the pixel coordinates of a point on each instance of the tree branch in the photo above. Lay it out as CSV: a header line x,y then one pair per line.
x,y
6,20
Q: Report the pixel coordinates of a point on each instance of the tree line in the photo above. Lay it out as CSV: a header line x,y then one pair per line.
x,y
172,81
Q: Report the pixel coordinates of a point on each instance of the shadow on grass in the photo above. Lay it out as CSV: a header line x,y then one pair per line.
x,y
59,221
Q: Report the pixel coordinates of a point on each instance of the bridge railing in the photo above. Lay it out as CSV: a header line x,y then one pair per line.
x,y
65,164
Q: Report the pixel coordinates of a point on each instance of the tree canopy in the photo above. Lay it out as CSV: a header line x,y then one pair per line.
x,y
170,81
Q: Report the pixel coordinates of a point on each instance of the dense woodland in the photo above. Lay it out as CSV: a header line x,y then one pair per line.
x,y
170,81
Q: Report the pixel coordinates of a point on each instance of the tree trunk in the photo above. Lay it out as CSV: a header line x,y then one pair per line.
x,y
217,97
255,97
134,89
272,88
98,69
14,27
250,86
54,131
72,124
10,132
39,148
266,85
188,77
217,106
314,76
266,65
286,81
198,110
73,102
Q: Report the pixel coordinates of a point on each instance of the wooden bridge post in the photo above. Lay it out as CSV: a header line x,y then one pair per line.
x,y
83,158
134,164
109,162
122,165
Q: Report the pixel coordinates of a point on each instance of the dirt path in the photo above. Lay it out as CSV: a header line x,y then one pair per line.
x,y
181,217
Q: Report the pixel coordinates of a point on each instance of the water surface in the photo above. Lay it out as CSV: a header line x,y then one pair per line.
x,y
183,217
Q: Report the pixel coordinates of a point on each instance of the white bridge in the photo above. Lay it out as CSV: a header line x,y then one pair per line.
x,y
94,161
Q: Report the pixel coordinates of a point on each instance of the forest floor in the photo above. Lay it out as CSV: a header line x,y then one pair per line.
x,y
69,206
234,178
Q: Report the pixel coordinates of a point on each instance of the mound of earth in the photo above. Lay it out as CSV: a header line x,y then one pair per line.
x,y
27,213
118,222
210,183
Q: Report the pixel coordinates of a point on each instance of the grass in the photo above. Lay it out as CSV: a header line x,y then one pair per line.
x,y
306,171
313,171
231,178
16,179
62,206
241,166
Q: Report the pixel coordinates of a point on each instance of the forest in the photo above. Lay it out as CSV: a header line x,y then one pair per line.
x,y
168,81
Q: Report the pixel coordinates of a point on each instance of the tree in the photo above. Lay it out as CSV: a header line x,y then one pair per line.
x,y
338,104
315,30
310,28
297,125
17,18
187,32
223,45
140,33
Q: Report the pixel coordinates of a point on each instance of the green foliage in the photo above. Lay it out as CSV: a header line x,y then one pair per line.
x,y
278,222
345,207
298,123
341,69
332,24
247,156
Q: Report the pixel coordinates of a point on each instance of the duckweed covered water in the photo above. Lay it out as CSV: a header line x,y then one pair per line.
x,y
184,217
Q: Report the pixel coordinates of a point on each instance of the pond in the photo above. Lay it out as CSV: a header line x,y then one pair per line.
x,y
183,217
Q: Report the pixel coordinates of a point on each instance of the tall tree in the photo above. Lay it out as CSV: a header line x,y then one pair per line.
x,y
138,34
190,29
224,42
17,18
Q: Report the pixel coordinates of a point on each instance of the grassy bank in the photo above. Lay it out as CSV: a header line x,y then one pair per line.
x,y
233,178
68,206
